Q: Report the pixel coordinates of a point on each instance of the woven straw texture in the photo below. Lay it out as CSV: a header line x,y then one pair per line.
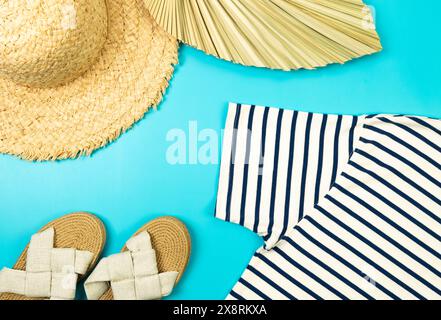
x,y
82,231
172,242
74,77
278,34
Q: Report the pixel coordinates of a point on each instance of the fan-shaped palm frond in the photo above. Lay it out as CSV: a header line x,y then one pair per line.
x,y
279,34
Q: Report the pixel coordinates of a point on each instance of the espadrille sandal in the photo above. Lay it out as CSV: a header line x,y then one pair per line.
x,y
57,256
150,265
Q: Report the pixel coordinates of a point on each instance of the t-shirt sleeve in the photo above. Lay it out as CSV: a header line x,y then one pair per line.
x,y
277,163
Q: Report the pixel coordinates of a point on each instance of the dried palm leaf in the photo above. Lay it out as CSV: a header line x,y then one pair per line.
x,y
278,34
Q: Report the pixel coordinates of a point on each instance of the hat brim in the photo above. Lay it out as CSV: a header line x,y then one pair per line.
x,y
75,119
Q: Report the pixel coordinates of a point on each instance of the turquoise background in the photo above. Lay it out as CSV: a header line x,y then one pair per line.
x,y
130,182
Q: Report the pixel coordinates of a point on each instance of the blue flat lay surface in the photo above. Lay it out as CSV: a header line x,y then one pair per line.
x,y
130,181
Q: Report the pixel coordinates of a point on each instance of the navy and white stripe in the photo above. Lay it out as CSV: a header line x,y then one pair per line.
x,y
376,234
277,163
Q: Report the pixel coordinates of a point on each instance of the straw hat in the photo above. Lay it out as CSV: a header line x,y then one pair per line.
x,y
75,74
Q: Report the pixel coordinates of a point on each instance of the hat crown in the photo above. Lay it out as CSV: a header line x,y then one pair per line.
x,y
47,43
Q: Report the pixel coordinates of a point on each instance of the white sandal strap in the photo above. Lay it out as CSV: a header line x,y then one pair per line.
x,y
50,272
133,275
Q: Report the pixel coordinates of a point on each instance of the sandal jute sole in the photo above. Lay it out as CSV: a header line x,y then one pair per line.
x,y
80,230
172,243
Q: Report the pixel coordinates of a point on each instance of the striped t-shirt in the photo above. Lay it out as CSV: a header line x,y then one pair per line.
x,y
277,163
349,207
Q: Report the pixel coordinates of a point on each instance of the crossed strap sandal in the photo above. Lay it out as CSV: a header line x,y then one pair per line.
x,y
149,266
55,259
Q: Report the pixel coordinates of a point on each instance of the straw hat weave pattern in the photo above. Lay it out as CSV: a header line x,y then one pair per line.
x,y
75,74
